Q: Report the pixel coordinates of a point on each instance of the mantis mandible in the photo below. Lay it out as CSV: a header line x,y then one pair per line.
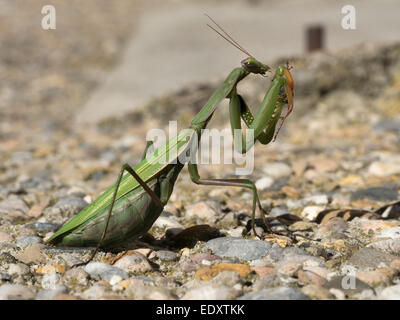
x,y
128,209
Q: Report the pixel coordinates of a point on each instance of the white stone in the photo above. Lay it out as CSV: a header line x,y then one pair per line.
x,y
277,169
311,212
264,183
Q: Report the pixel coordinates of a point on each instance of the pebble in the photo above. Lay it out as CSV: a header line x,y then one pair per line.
x,y
50,281
314,291
204,210
264,183
280,293
19,269
211,292
27,241
277,170
13,206
375,194
166,222
101,270
392,233
149,293
374,278
15,291
383,169
390,293
44,226
96,292
32,254
366,258
133,263
311,212
77,275
200,257
206,273
50,294
334,228
165,255
51,269
5,237
319,200
69,206
388,245
245,249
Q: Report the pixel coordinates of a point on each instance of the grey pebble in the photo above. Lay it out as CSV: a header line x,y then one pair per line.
x,y
27,241
44,226
387,125
375,194
13,203
15,292
390,293
240,248
104,271
69,205
165,255
366,258
279,293
49,294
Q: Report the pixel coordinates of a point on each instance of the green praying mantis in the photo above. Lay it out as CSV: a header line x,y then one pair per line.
x,y
128,209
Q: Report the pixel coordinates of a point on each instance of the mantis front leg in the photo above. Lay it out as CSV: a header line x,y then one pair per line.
x,y
264,122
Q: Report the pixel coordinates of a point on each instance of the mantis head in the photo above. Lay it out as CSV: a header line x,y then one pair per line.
x,y
254,66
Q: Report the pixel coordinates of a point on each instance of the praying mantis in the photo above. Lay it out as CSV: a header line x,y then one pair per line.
x,y
128,209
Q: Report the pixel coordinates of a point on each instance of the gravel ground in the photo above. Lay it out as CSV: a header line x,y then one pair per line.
x,y
332,179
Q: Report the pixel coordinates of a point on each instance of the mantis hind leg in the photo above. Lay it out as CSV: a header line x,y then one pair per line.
x,y
245,183
154,197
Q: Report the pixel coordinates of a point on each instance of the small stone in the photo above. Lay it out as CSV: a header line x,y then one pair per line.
x,y
165,222
290,192
264,183
307,277
133,262
264,271
392,233
201,256
131,282
277,170
390,293
227,278
374,226
211,292
370,258
279,293
50,281
334,228
302,226
206,273
316,292
104,271
373,278
149,293
245,249
51,269
395,264
15,291
49,294
311,212
384,169
289,269
32,254
29,240
204,210
69,206
44,226
77,275
18,269
189,266
375,194
13,206
388,245
95,292
323,164
321,199
165,255
5,237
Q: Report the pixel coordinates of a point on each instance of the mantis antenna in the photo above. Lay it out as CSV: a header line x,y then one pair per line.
x,y
226,36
